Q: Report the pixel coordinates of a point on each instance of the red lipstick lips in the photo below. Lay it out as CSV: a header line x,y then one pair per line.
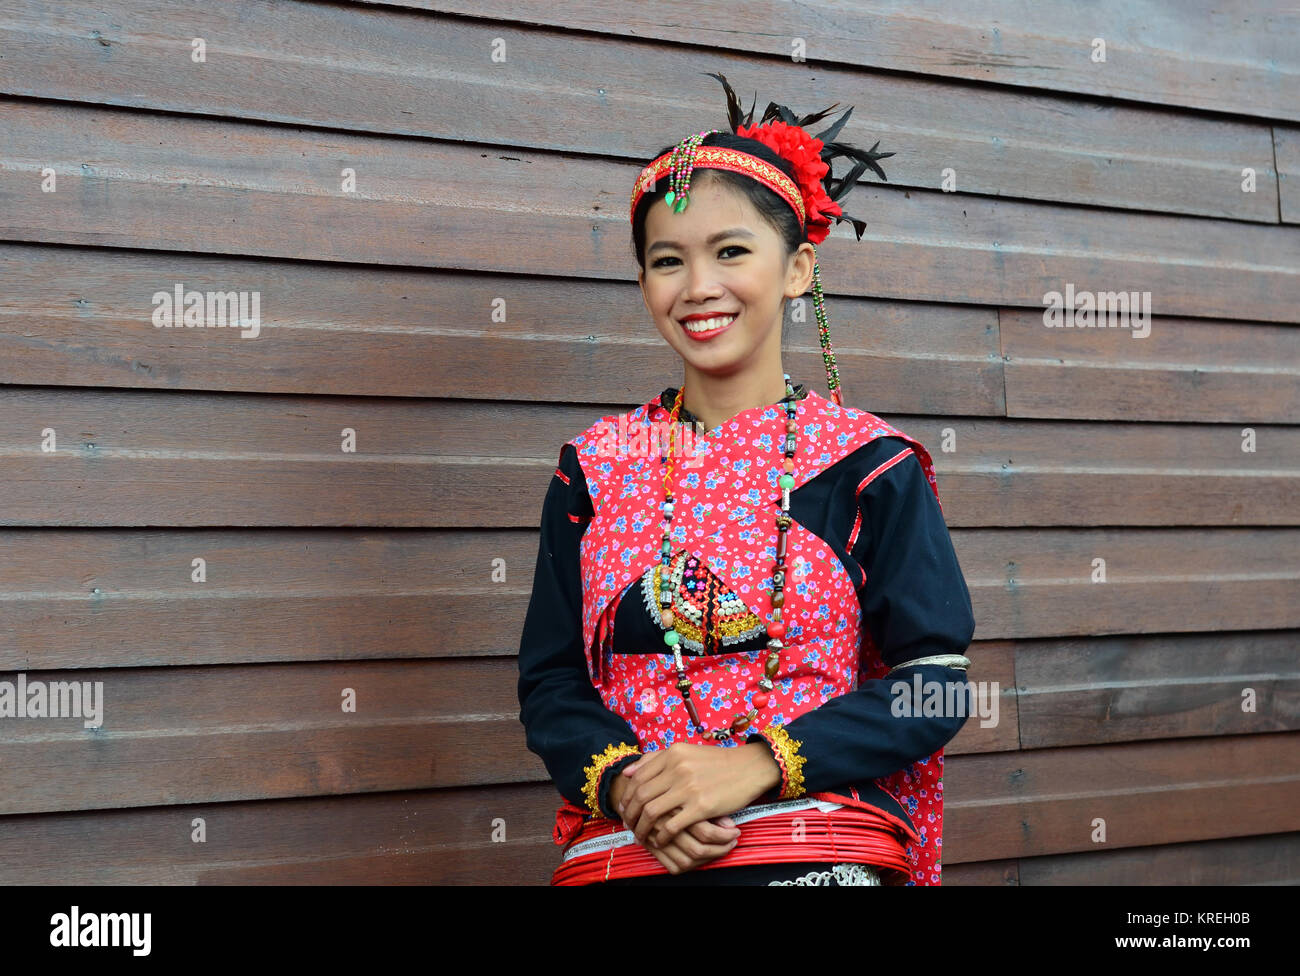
x,y
701,334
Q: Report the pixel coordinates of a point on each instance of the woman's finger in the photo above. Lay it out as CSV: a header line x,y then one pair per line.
x,y
653,813
641,792
696,852
674,858
711,832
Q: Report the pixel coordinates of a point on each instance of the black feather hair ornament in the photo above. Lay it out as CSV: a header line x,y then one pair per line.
x,y
836,189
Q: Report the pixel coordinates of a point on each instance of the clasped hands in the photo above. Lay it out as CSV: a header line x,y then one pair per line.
x,y
676,800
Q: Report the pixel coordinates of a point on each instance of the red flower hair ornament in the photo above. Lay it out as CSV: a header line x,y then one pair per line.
x,y
803,152
810,156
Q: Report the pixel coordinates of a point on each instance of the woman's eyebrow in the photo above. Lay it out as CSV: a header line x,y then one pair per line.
x,y
734,232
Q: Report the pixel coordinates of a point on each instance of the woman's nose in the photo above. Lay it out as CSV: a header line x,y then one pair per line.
x,y
701,284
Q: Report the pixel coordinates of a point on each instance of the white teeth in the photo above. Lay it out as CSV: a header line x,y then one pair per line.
x,y
708,325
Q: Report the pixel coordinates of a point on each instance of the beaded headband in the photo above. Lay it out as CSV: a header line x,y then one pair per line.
x,y
714,157
813,203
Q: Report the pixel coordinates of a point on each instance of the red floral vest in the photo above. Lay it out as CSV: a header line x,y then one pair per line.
x,y
726,498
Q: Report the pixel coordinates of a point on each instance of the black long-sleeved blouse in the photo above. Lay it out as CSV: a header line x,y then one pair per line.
x,y
913,596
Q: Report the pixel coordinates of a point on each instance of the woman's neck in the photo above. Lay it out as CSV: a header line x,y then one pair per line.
x,y
714,400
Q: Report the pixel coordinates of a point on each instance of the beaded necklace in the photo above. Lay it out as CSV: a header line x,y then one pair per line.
x,y
776,629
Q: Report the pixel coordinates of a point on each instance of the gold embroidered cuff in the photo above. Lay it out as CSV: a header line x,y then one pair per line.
x,y
786,751
601,762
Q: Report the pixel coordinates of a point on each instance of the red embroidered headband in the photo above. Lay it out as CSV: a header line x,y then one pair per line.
x,y
715,157
812,198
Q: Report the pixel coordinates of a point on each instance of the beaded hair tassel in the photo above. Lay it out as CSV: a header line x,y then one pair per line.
x,y
679,196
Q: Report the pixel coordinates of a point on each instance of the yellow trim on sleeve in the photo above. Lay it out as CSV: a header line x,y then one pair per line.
x,y
600,762
787,755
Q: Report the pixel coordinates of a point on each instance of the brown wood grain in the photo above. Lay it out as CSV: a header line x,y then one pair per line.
x,y
919,245
1183,370
471,304
417,837
215,735
1156,580
1268,859
82,317
1054,801
117,598
415,73
102,458
1120,689
999,808
1203,53
187,735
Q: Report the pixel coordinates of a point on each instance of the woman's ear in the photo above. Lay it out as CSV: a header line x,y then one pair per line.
x,y
800,276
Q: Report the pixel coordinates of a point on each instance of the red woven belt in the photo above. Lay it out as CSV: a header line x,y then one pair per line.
x,y
808,829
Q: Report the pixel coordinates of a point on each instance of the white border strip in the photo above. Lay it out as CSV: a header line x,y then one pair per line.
x,y
624,837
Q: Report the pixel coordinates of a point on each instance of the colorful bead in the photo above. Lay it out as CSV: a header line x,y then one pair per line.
x,y
695,577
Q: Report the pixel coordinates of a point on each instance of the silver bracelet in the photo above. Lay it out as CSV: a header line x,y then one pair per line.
x,y
947,660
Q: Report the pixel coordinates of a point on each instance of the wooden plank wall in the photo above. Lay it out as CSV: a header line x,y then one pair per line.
x,y
429,199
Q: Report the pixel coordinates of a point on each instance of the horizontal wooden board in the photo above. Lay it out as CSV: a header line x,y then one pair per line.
x,y
82,317
1119,689
1092,582
1268,859
193,735
419,210
216,735
408,837
1047,801
1198,53
417,74
104,458
988,874
998,808
1002,473
1179,370
120,598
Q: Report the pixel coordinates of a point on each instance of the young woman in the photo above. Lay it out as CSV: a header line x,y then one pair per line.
x,y
741,661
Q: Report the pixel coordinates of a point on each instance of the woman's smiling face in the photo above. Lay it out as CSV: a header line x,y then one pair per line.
x,y
719,257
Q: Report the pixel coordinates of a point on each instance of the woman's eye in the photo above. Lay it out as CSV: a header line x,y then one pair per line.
x,y
729,247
